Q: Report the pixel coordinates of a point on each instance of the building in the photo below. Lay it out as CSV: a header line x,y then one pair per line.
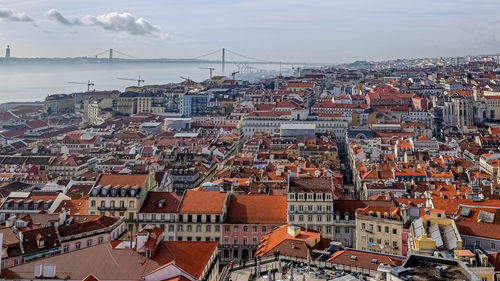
x,y
433,232
194,104
149,258
291,241
248,219
7,52
159,209
59,104
120,195
200,215
310,203
379,229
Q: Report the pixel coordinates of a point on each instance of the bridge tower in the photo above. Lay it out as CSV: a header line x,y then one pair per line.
x,y
110,55
223,59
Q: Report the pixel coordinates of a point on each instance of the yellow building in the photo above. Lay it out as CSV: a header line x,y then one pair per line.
x,y
379,229
433,232
120,195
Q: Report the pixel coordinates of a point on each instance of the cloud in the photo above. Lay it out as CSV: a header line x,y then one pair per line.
x,y
58,17
119,22
10,15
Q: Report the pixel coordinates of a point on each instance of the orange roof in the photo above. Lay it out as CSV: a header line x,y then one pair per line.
x,y
362,259
257,209
122,180
202,202
279,235
75,206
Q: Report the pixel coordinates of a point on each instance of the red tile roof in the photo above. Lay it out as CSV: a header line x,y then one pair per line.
x,y
122,180
257,209
202,202
362,259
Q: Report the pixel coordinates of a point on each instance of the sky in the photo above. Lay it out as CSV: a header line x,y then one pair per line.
x,y
280,30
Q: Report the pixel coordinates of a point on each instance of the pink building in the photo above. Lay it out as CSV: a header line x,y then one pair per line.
x,y
249,218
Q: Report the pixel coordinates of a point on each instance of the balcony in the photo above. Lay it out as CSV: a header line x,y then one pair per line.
x,y
109,208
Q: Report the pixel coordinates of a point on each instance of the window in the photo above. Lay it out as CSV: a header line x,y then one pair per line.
x,y
337,229
254,229
16,261
379,241
190,218
245,228
264,229
379,228
100,240
291,218
319,208
310,218
226,240
254,240
103,204
319,218
66,248
386,229
130,216
198,219
301,208
346,230
180,228
394,231
328,217
189,228
235,229
78,245
329,229
226,228
198,228
235,241
363,226
217,228
371,227
328,208
370,240
310,196
181,218
245,241
292,208
122,204
208,228
309,208
217,218
394,244
92,203
89,242
122,214
301,217
209,218
477,243
131,204
493,246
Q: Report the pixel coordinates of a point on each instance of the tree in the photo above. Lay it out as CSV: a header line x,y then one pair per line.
x,y
228,107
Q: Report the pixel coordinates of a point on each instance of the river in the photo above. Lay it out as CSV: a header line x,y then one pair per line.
x,y
33,82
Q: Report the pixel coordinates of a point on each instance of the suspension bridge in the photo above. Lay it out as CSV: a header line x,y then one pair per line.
x,y
222,56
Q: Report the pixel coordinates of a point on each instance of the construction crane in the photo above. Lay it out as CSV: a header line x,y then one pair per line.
x,y
209,68
234,76
84,83
189,81
130,79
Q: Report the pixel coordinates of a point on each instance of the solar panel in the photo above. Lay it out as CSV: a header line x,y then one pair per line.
x,y
485,216
465,212
418,226
436,235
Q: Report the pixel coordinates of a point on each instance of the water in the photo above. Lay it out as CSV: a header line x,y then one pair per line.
x,y
33,82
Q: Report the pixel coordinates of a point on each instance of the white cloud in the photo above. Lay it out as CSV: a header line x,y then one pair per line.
x,y
57,16
10,15
119,22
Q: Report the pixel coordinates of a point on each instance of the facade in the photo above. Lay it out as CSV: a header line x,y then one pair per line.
x,y
249,218
379,229
310,203
200,215
159,209
59,104
120,195
194,104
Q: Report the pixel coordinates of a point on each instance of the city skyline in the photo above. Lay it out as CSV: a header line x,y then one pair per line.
x,y
313,32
